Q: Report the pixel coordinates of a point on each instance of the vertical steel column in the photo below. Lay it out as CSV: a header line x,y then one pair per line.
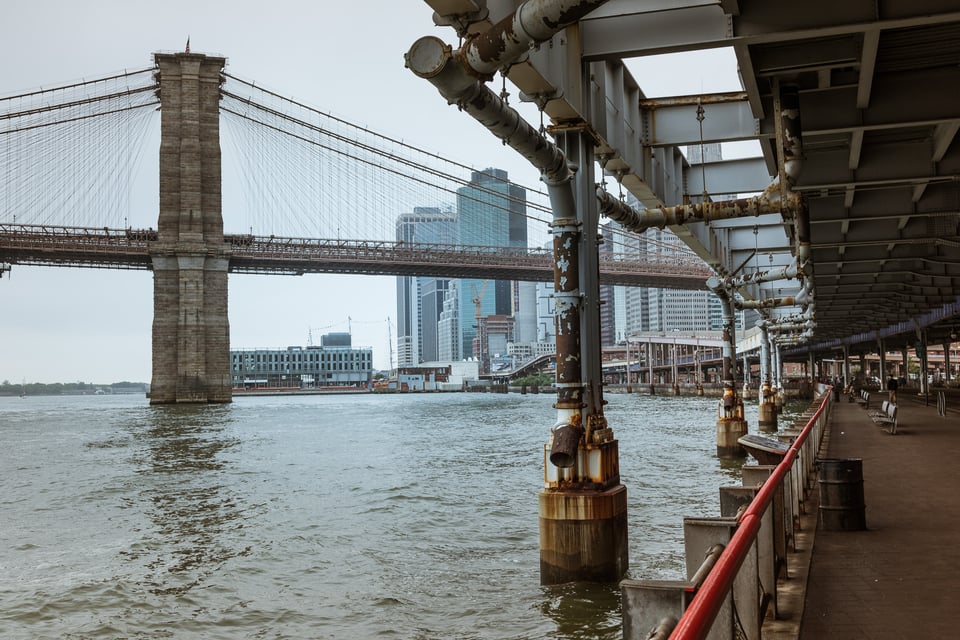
x,y
583,523
746,377
628,366
675,370
730,422
650,365
923,357
583,507
778,372
846,364
767,409
946,362
882,349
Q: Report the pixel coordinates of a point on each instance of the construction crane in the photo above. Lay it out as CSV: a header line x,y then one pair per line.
x,y
478,296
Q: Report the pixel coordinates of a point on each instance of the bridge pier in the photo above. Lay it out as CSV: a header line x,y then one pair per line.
x,y
191,330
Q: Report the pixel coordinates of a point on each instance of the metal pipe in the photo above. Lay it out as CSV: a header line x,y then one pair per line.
x,y
764,355
780,273
430,58
787,327
709,560
533,22
663,629
700,615
455,75
566,286
729,340
729,355
766,303
777,366
808,316
639,220
792,134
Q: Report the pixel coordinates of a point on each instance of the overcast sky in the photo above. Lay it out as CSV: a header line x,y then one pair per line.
x,y
346,58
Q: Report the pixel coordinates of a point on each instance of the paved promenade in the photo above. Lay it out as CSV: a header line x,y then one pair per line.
x,y
898,579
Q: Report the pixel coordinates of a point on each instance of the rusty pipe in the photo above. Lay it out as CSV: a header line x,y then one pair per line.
x,y
663,629
639,220
565,444
533,22
430,58
766,303
792,133
770,275
764,354
729,351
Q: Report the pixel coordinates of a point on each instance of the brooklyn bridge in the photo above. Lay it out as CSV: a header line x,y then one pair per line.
x,y
335,186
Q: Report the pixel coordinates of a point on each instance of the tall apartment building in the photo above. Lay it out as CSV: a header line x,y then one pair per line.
x,y
448,327
437,318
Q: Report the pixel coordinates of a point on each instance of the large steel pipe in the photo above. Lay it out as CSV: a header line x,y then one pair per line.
x,y
639,220
533,22
432,59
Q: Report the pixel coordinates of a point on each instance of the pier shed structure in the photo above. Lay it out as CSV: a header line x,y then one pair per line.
x,y
841,231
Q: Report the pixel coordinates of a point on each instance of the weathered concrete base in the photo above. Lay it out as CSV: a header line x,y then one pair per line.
x,y
583,535
191,333
729,430
767,416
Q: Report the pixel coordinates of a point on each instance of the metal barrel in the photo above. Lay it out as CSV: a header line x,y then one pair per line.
x,y
841,495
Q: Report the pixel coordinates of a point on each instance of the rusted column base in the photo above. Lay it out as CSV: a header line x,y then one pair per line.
x,y
728,431
583,536
767,416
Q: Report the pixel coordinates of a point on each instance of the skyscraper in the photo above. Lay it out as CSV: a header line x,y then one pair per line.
x,y
416,318
491,212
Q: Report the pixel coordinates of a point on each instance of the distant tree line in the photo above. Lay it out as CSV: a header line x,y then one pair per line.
x,y
8,388
540,380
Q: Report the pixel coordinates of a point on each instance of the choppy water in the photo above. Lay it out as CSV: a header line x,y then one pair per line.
x,y
401,516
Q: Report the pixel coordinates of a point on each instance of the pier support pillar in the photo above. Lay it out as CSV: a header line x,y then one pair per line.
x,y
191,332
730,425
728,432
583,535
767,415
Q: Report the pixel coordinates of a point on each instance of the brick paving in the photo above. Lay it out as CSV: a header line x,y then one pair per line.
x,y
899,578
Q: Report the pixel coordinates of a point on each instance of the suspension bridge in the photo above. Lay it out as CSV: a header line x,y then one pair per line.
x,y
304,192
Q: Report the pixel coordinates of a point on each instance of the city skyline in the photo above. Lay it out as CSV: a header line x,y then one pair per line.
x,y
64,324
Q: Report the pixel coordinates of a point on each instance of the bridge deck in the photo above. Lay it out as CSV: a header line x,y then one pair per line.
x,y
896,579
134,248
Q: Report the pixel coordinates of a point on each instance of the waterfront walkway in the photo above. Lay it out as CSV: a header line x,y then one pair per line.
x,y
898,579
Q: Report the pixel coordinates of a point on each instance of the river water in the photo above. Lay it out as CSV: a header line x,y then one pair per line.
x,y
373,516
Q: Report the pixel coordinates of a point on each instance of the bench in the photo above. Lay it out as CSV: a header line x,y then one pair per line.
x,y
863,399
886,417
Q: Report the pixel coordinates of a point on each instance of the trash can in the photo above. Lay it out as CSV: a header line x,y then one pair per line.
x,y
841,494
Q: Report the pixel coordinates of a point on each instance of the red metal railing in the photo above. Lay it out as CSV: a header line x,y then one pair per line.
x,y
699,616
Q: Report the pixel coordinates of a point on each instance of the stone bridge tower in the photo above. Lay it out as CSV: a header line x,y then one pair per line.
x,y
191,332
